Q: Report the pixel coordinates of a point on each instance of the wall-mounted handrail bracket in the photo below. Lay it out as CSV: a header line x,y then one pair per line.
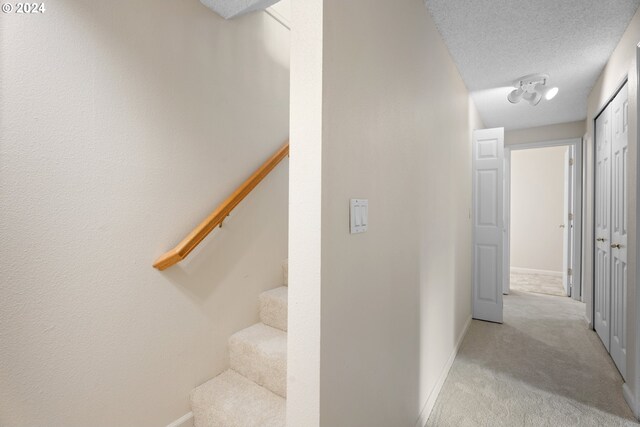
x,y
222,222
216,218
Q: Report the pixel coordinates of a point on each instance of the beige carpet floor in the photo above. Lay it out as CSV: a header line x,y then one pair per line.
x,y
537,283
542,367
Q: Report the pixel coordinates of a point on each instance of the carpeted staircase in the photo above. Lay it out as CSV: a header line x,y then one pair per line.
x,y
252,392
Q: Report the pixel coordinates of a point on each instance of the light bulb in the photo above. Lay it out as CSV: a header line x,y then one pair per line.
x,y
551,93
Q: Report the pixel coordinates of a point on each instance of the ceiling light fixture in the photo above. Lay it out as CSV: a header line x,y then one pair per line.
x,y
532,88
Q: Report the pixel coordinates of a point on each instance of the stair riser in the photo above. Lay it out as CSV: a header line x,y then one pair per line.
x,y
273,312
267,370
230,400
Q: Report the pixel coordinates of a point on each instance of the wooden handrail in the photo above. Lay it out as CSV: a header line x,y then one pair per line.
x,y
192,240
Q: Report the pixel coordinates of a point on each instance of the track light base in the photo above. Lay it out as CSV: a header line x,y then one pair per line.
x,y
531,88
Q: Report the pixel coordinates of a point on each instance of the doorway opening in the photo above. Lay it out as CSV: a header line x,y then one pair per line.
x,y
543,218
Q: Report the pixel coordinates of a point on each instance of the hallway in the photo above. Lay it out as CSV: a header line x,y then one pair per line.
x,y
542,367
537,284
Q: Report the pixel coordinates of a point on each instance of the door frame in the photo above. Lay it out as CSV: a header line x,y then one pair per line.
x,y
634,401
506,236
568,242
577,143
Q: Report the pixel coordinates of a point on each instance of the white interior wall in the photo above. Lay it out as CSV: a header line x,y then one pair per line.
x,y
382,115
305,207
537,208
545,133
123,124
621,65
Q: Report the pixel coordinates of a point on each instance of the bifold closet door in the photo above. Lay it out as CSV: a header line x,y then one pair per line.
x,y
611,190
619,160
602,230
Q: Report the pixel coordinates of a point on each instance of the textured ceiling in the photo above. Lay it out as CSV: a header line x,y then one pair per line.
x,y
495,42
232,8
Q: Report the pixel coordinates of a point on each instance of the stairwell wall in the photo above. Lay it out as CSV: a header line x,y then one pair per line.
x,y
380,113
122,125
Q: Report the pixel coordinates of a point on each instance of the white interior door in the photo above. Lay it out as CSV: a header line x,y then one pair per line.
x,y
602,288
488,199
567,222
619,190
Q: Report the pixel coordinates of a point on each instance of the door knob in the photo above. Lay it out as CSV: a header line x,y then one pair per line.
x,y
561,225
601,239
616,246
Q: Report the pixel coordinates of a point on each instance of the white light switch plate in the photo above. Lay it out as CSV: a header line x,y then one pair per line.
x,y
359,215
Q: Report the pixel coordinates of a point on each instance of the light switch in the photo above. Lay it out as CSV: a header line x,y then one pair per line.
x,y
358,215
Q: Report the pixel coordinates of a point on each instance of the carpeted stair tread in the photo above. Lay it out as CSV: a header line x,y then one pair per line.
x,y
231,400
259,352
273,308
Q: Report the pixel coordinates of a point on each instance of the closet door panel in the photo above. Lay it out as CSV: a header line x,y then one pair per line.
x,y
602,290
619,190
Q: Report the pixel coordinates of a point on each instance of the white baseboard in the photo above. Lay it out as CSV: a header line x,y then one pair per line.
x,y
630,399
431,400
184,421
535,271
589,324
